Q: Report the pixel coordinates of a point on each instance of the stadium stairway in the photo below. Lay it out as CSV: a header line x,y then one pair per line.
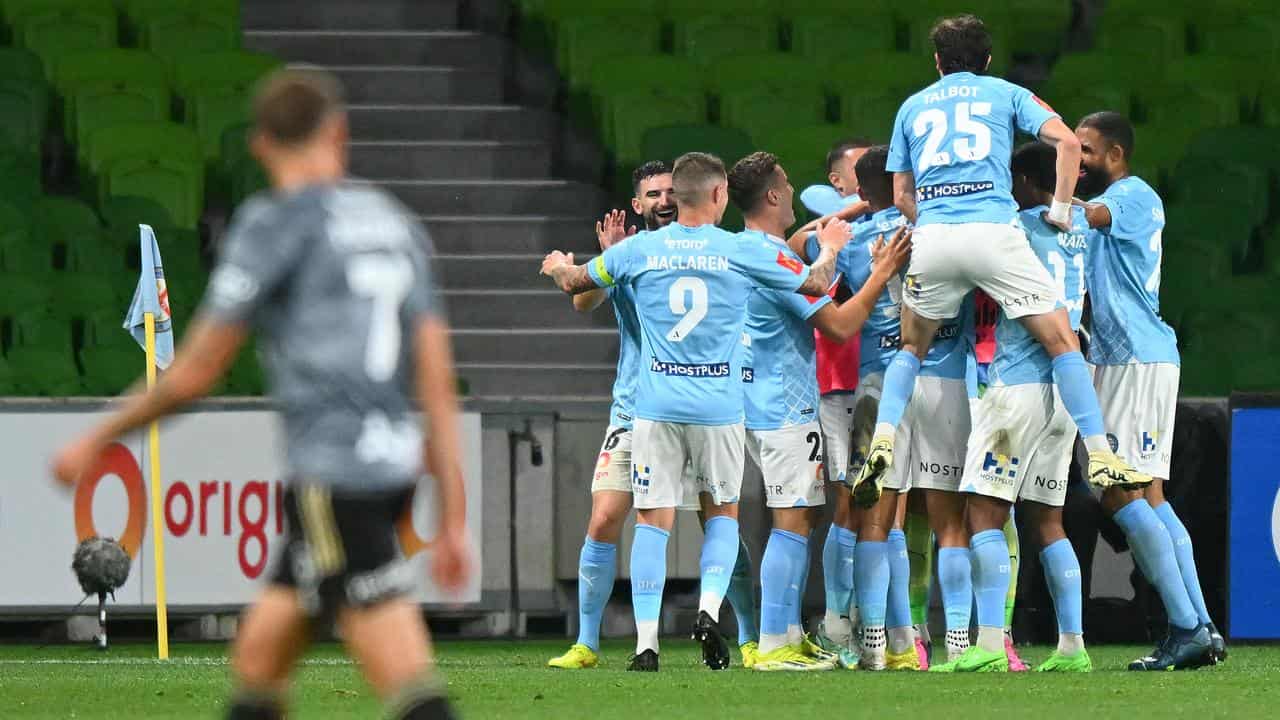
x,y
433,120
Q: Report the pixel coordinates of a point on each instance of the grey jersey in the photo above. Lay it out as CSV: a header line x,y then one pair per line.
x,y
334,279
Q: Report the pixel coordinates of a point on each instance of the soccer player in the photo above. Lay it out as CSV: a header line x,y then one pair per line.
x,y
691,282
336,277
829,199
1022,442
1136,356
950,155
781,396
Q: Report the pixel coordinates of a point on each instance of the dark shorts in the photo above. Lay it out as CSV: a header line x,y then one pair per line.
x,y
342,550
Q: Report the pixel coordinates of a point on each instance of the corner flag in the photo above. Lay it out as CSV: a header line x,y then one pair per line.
x,y
151,296
149,322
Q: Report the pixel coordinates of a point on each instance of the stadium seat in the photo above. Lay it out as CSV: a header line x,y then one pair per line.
x,y
110,371
107,145
79,294
832,38
24,114
175,183
746,70
245,375
583,41
859,72
248,178
20,292
708,39
762,109
1154,36
870,113
1041,26
123,215
20,64
671,141
1079,71
1228,75
64,221
56,28
15,227
802,152
43,372
20,254
95,255
120,70
997,24
1075,103
1240,143
19,176
617,75
1242,187
104,106
215,89
1254,37
1187,108
633,113
174,33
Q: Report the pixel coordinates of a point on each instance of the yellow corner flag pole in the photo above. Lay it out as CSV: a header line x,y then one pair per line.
x,y
157,525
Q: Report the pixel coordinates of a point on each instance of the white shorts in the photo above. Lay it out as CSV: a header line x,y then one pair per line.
x,y
948,261
1021,445
613,464
790,459
935,432
1139,402
835,413
714,456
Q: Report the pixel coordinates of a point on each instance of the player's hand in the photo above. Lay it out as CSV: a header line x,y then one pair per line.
x,y
555,259
834,235
1063,226
74,460
888,258
451,563
612,229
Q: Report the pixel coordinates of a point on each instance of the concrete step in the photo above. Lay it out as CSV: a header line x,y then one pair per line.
x,y
454,48
589,345
451,122
450,159
491,271
522,379
511,234
348,15
415,84
498,197
501,308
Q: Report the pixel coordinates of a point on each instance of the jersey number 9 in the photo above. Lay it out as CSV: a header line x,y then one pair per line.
x,y
691,312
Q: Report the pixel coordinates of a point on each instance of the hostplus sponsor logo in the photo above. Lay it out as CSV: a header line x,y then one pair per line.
x,y
691,370
1150,441
1000,468
940,469
640,477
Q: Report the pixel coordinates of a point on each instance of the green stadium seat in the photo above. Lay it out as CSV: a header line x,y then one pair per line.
x,y
1075,72
15,227
110,371
105,106
43,372
1075,103
1242,188
65,221
762,109
1229,75
746,70
1041,26
870,113
708,39
37,327
19,176
123,215
235,68
20,64
21,292
245,375
174,33
234,150
6,378
1240,143
1188,108
58,28
802,152
18,253
24,114
248,178
860,72
165,139
120,70
617,75
175,183
671,141
1002,41
1154,36
1254,37
633,113
583,41
95,255
832,38
79,294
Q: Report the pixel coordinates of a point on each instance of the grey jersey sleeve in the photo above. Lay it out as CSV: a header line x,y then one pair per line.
x,y
257,255
423,298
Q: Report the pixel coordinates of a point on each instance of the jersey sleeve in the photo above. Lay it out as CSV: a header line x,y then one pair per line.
x,y
424,298
255,261
1129,214
811,248
1030,112
803,306
899,144
612,266
770,265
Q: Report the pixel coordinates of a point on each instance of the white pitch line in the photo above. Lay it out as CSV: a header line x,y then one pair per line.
x,y
155,661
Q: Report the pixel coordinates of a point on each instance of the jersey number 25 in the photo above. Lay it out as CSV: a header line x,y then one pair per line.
x,y
935,123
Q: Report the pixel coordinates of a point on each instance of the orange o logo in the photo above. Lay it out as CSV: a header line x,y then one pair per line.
x,y
411,542
114,460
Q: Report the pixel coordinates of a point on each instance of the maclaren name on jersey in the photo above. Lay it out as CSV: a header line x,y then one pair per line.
x,y
687,262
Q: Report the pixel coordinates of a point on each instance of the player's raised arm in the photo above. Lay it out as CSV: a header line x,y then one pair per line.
x,y
1056,133
832,238
610,231
848,213
842,322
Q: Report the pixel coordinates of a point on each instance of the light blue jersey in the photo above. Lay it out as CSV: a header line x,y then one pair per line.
x,y
1124,280
780,365
956,136
691,286
881,335
1019,358
624,383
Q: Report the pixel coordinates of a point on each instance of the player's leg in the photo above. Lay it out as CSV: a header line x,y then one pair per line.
x,y
657,468
598,558
871,576
1062,575
920,549
1184,551
1010,530
900,653
273,635
742,598
389,640
837,417
1132,402
989,553
716,456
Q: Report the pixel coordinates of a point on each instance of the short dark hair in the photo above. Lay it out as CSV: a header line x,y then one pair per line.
x,y
693,176
750,179
289,105
962,43
841,147
1038,162
646,171
875,182
1113,126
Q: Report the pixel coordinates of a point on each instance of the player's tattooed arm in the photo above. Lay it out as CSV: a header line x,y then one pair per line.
x,y
887,259
570,278
832,237
904,194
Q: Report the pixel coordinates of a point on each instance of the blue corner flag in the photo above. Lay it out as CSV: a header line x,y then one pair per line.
x,y
151,296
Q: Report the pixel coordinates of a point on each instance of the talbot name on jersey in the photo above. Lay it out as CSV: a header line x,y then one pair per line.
x,y
687,262
953,91
693,370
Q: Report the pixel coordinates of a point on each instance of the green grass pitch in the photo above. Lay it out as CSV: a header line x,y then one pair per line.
x,y
495,679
